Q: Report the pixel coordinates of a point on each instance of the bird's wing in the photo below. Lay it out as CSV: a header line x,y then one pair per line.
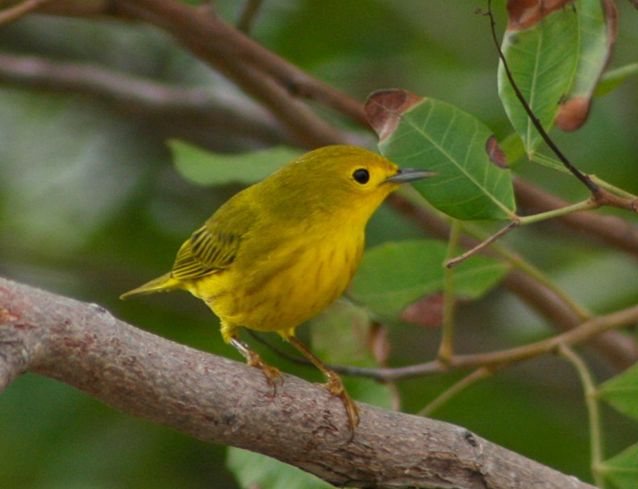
x,y
214,246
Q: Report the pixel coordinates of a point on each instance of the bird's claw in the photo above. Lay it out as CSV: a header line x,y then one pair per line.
x,y
336,388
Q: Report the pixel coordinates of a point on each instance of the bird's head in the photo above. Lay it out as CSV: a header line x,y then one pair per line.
x,y
342,180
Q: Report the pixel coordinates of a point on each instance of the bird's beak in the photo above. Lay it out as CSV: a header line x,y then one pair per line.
x,y
409,175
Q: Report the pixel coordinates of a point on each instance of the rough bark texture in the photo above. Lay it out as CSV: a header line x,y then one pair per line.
x,y
222,401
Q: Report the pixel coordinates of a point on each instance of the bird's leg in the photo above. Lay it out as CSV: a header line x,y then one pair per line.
x,y
254,360
334,384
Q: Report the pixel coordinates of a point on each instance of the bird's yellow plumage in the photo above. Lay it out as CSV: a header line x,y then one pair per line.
x,y
280,251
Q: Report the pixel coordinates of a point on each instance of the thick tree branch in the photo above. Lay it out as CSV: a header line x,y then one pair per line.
x,y
221,401
208,110
271,80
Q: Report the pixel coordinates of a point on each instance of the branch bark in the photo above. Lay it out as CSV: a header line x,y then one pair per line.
x,y
221,401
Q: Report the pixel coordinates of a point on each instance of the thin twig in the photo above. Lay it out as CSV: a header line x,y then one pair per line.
x,y
593,411
501,358
18,11
612,230
456,388
446,347
248,14
472,251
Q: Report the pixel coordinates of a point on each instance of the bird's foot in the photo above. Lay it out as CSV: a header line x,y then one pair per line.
x,y
336,388
272,374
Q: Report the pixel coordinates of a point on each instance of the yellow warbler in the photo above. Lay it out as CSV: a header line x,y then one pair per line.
x,y
278,252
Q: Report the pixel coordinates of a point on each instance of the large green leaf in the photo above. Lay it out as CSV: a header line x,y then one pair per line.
x,y
426,133
256,470
621,392
622,469
206,168
394,275
541,49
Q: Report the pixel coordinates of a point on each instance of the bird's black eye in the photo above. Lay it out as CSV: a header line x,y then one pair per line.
x,y
361,175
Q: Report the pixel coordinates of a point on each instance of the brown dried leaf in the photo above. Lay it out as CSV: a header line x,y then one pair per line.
x,y
523,14
427,311
611,16
383,109
495,152
573,113
378,343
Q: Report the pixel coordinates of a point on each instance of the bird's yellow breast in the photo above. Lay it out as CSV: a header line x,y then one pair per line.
x,y
279,290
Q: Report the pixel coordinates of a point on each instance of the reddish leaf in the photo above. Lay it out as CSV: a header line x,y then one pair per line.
x,y
427,311
378,343
384,108
573,113
495,152
523,14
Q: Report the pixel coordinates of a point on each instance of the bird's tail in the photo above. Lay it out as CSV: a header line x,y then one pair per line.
x,y
160,284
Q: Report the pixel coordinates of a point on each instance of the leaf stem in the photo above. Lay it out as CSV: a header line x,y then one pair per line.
x,y
520,263
595,425
446,348
568,209
554,164
454,389
483,244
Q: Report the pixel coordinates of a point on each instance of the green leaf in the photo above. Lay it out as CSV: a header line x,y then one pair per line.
x,y
430,134
622,469
542,54
596,39
206,168
394,275
340,335
513,148
614,78
349,324
621,392
256,470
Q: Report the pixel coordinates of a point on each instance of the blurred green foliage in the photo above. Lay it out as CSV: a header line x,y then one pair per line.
x,y
91,205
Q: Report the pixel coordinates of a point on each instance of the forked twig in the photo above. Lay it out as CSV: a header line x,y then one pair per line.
x,y
472,251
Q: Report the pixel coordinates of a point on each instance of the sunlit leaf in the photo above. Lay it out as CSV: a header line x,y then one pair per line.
x,y
621,392
255,470
425,133
394,275
206,168
622,469
541,49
